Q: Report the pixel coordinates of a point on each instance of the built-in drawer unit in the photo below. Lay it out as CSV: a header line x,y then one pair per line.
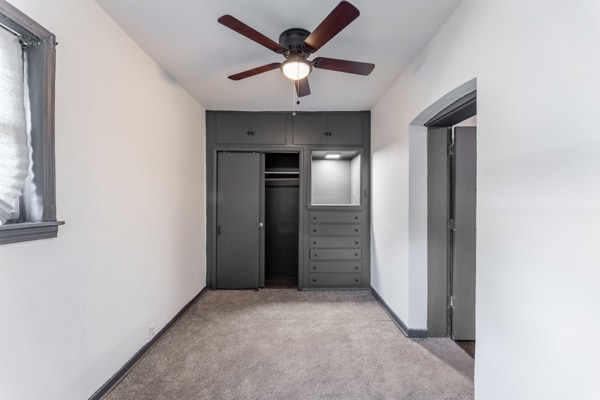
x,y
335,249
346,280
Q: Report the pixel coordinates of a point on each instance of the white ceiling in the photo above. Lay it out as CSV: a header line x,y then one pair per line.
x,y
184,37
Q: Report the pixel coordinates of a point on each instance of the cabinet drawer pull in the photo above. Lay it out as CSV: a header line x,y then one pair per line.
x,y
356,268
356,254
314,230
314,280
356,280
315,254
314,267
356,217
356,230
315,243
355,242
315,218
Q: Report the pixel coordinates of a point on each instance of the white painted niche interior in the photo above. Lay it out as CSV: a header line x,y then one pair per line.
x,y
335,181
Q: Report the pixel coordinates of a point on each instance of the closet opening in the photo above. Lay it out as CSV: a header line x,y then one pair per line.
x,y
281,226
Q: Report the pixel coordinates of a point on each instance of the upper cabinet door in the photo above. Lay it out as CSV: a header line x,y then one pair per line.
x,y
249,128
234,128
343,129
268,129
310,129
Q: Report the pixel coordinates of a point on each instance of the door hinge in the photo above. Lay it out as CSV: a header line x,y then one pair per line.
x,y
451,302
366,194
451,224
218,230
451,149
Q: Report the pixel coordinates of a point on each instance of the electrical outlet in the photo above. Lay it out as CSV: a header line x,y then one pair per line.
x,y
151,331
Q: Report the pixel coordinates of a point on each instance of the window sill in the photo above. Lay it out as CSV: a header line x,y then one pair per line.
x,y
26,231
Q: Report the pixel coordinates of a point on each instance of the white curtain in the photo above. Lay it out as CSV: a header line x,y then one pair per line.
x,y
14,149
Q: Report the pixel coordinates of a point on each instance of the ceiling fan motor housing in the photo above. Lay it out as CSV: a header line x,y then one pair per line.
x,y
293,40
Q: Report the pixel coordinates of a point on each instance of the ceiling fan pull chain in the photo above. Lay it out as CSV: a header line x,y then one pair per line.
x,y
293,98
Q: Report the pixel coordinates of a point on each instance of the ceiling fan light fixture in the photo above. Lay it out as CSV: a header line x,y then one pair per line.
x,y
296,68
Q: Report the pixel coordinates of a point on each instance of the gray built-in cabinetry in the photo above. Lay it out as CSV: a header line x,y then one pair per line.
x,y
333,238
329,129
250,128
336,246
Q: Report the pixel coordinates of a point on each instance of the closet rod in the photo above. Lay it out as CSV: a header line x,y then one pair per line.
x,y
282,173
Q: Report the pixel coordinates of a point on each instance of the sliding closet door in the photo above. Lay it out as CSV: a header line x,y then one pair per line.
x,y
238,212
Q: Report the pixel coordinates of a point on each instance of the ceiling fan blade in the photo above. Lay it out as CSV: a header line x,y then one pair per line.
x,y
341,16
350,67
302,87
254,71
243,29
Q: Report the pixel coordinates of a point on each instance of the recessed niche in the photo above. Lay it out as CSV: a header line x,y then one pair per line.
x,y
335,178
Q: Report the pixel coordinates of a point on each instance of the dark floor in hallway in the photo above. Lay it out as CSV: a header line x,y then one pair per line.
x,y
468,346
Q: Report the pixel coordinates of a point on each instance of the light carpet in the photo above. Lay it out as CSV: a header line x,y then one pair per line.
x,y
289,344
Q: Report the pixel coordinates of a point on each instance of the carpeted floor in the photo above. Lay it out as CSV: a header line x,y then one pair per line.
x,y
287,344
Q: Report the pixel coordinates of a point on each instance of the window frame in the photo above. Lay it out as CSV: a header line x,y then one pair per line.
x,y
41,76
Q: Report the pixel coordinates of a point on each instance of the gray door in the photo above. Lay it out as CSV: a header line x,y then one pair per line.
x,y
438,213
463,251
238,208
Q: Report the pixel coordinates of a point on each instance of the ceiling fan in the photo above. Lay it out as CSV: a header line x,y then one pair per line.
x,y
297,44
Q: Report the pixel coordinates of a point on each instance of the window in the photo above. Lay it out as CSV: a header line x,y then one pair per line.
x,y
27,185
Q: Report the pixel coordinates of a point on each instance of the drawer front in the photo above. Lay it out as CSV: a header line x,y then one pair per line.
x,y
335,242
335,266
335,217
335,229
335,254
334,279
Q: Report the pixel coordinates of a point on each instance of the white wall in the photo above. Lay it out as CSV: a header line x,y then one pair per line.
x,y
130,186
537,67
355,180
330,181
